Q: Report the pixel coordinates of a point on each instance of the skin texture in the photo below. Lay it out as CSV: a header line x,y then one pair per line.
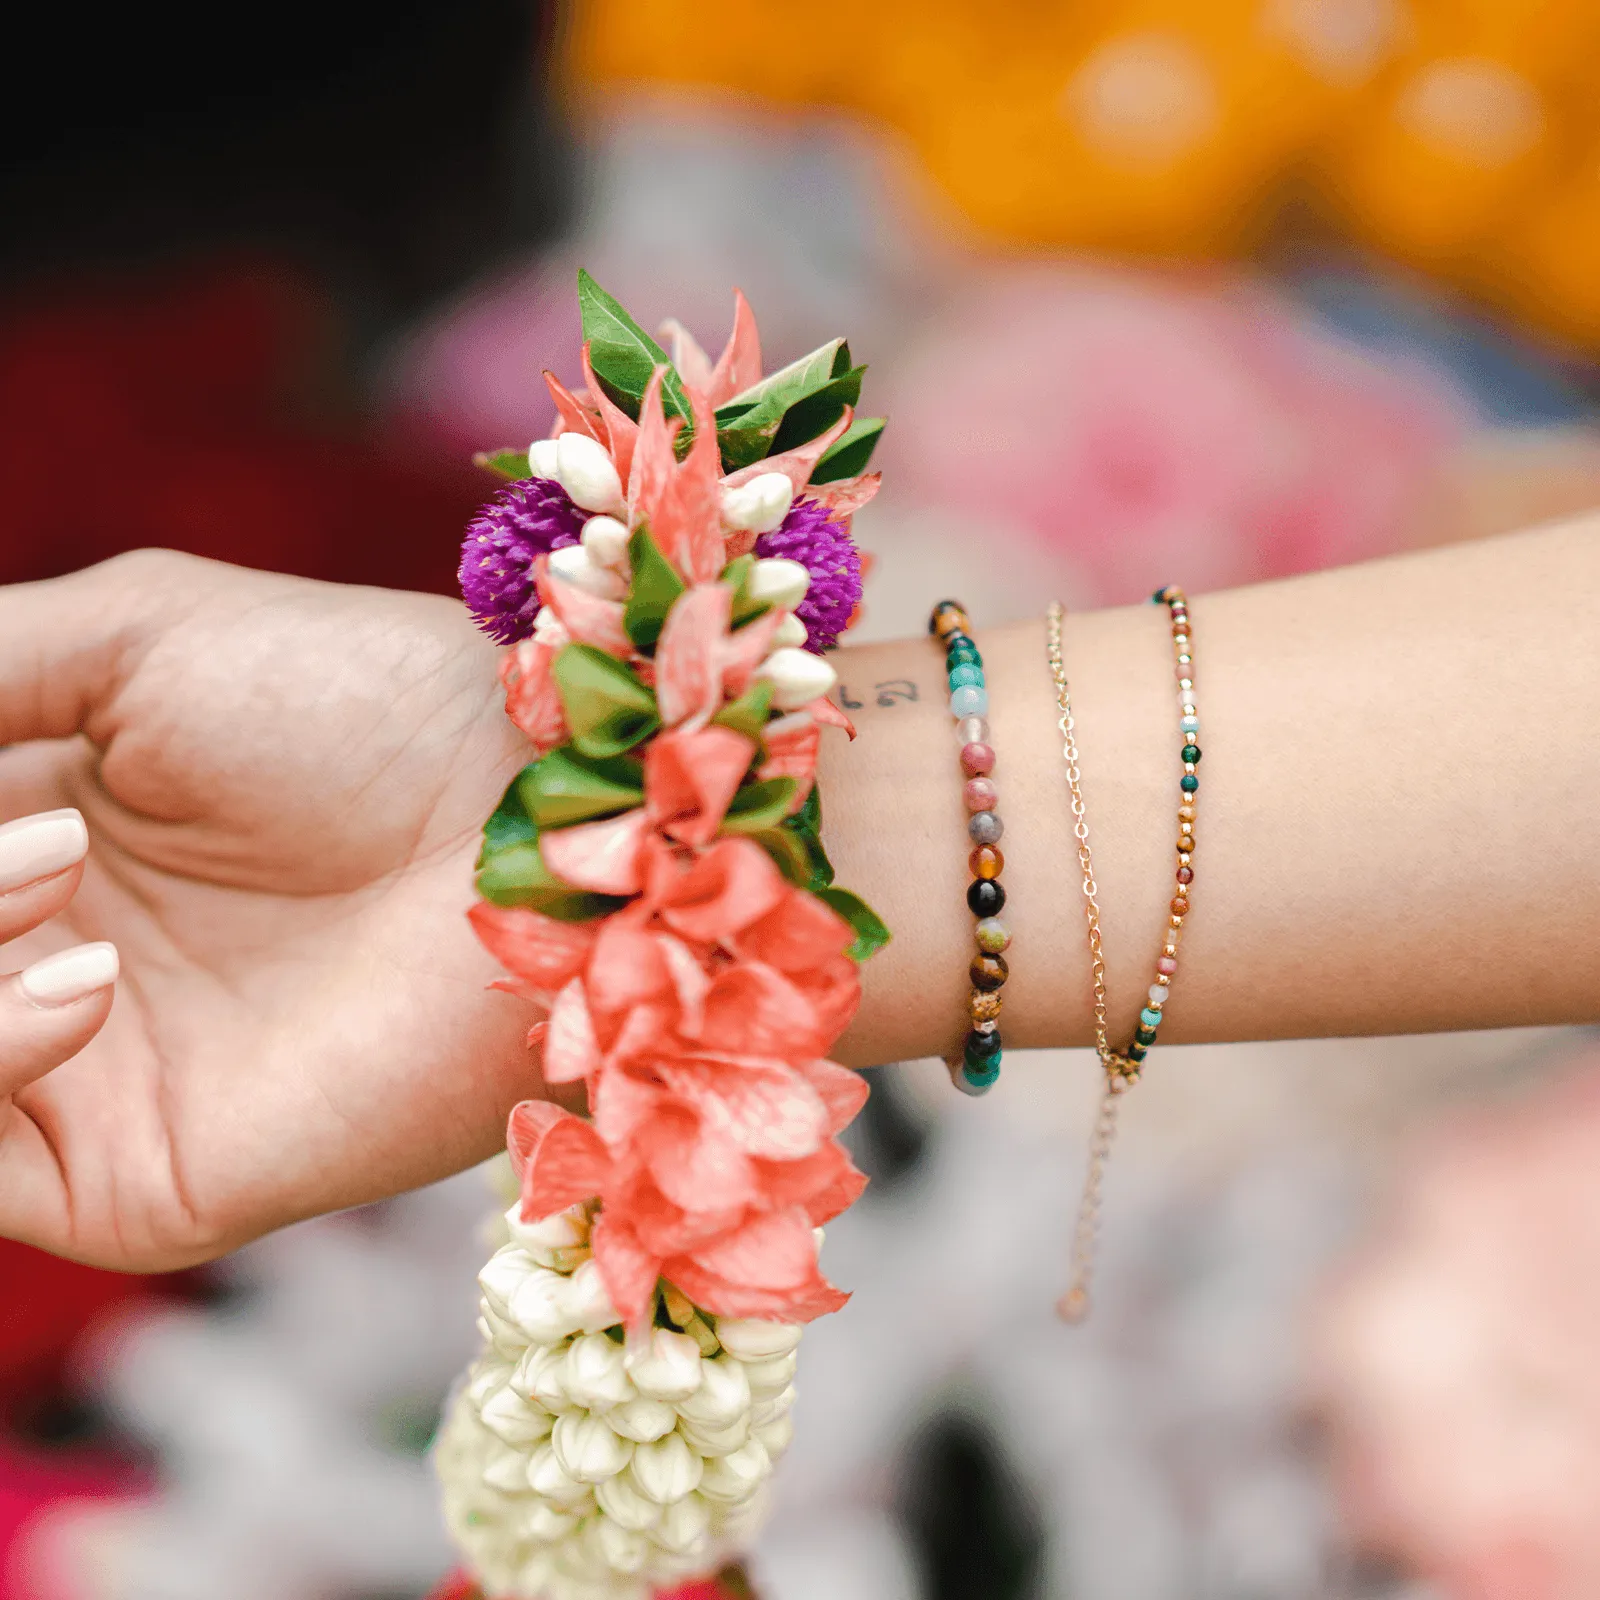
x,y
284,783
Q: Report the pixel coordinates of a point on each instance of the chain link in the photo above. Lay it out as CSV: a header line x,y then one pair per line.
x,y
1120,1073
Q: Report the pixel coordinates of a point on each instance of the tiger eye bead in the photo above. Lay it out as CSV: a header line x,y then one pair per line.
x,y
948,618
986,862
988,972
984,1007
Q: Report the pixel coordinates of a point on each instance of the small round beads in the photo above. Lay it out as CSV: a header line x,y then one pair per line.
x,y
1188,788
978,1068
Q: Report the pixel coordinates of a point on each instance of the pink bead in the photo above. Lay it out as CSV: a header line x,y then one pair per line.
x,y
981,795
1167,965
976,759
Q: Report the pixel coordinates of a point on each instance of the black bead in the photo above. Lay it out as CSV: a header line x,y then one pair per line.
x,y
983,1044
985,896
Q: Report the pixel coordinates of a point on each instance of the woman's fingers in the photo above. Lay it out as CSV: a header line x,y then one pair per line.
x,y
40,864
49,1011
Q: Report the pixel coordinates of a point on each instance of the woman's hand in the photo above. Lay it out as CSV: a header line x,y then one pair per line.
x,y
283,783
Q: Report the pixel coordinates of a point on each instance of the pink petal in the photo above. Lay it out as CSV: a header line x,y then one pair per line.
x,y
732,885
725,1297
842,1091
695,1166
585,616
830,716
626,969
543,951
689,656
529,1122
620,429
697,498
532,701
602,856
796,464
846,496
571,1051
691,982
645,1031
800,933
623,1104
792,744
626,1268
774,1251
693,365
563,1160
653,460
739,365
575,417
690,777
753,1009
824,1184
766,1110
744,650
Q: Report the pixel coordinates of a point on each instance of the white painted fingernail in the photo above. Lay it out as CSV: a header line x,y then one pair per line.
x,y
34,847
60,979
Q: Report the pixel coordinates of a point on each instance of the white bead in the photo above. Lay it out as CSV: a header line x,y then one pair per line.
x,y
595,1377
573,563
778,582
791,631
753,1340
542,458
1158,994
587,473
667,1368
973,730
797,677
606,540
666,1470
588,1449
759,505
723,1395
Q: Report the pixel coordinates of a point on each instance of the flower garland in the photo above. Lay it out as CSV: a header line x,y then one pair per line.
x,y
667,570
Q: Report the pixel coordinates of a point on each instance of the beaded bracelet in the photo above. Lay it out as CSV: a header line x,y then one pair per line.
x,y
979,1067
1122,1067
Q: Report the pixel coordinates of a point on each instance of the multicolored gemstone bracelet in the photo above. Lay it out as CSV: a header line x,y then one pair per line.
x,y
977,1070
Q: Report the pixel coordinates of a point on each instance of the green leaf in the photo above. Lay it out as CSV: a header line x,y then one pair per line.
x,y
806,826
790,854
509,824
563,787
656,585
759,805
872,933
507,463
748,424
607,708
849,454
622,354
518,876
817,412
748,714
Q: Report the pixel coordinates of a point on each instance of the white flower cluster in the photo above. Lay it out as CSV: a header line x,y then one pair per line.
x,y
579,1466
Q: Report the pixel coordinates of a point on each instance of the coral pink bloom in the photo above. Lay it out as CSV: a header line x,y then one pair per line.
x,y
767,1268
606,857
739,365
618,431
680,502
532,701
690,777
699,662
541,953
586,617
559,1159
572,414
792,743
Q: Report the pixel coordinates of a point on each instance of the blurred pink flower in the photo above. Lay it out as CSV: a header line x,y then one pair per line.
x,y
1147,424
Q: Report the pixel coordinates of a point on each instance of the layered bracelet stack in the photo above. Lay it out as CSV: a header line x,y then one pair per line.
x,y
978,1067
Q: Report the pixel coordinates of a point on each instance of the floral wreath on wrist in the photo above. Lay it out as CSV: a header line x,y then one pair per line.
x,y
667,570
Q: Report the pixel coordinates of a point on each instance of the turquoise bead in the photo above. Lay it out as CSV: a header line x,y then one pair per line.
x,y
1151,1019
963,675
966,656
1189,724
1189,782
970,700
978,1080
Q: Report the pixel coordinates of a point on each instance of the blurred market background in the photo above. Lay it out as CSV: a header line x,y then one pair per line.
x,y
1149,289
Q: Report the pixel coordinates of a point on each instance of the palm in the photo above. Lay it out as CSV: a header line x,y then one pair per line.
x,y
283,783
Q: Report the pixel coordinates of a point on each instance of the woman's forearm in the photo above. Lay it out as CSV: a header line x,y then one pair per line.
x,y
1396,821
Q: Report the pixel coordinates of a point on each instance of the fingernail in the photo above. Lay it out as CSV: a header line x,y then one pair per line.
x,y
34,847
59,980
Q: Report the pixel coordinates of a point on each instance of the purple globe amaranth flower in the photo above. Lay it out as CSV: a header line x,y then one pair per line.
x,y
524,521
826,550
